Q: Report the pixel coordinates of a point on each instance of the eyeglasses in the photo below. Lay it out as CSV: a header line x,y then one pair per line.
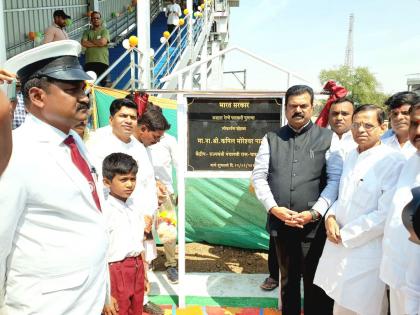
x,y
366,126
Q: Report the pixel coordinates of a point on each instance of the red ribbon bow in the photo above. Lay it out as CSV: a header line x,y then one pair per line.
x,y
335,92
141,98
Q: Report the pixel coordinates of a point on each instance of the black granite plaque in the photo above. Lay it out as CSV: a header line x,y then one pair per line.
x,y
224,134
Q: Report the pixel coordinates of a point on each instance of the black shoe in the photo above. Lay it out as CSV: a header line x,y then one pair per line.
x,y
152,309
172,274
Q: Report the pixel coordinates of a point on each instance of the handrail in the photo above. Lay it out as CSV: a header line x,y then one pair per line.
x,y
118,79
193,66
111,67
170,53
173,32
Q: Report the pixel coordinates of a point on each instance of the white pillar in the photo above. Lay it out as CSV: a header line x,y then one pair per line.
x,y
3,55
181,174
143,34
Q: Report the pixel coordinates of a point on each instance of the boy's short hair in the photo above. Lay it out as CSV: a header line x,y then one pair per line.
x,y
118,164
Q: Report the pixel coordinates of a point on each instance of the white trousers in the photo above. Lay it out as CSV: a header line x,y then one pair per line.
x,y
340,310
396,299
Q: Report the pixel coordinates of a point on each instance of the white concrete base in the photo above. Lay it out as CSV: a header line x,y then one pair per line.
x,y
213,285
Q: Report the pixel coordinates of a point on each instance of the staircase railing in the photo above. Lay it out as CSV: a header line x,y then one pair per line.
x,y
166,57
170,52
134,82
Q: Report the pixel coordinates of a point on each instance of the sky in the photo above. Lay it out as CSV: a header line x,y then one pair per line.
x,y
307,36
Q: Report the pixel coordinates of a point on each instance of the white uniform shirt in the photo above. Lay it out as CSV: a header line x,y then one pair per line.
x,y
125,229
407,149
164,156
343,145
349,272
173,12
396,245
53,237
263,191
103,142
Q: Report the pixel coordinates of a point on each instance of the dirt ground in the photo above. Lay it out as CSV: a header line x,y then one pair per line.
x,y
215,258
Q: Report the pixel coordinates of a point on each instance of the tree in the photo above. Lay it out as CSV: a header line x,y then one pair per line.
x,y
360,82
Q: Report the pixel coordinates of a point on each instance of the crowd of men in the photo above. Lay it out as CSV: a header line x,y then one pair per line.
x,y
77,218
335,200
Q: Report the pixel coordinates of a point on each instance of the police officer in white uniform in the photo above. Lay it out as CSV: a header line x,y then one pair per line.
x,y
53,237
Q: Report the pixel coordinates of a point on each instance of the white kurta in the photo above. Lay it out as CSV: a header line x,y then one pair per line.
x,y
53,238
164,156
343,145
396,245
411,288
349,272
407,149
103,142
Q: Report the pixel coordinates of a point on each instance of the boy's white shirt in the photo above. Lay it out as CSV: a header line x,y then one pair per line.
x,y
125,225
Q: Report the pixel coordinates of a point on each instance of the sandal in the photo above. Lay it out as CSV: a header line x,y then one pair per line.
x,y
269,284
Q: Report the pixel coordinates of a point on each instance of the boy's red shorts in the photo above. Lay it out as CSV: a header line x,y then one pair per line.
x,y
127,284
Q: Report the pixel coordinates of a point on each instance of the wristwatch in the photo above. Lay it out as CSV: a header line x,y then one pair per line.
x,y
315,215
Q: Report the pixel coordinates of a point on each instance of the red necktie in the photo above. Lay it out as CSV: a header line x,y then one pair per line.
x,y
83,167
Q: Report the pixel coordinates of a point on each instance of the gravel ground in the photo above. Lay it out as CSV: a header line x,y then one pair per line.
x,y
215,258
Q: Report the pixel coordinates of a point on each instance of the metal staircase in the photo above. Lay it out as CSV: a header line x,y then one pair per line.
x,y
190,42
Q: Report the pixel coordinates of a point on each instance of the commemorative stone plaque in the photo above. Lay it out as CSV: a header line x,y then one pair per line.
x,y
224,134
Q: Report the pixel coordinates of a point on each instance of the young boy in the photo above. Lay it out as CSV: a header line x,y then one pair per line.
x,y
125,226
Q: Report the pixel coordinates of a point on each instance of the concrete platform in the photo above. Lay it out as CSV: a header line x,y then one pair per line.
x,y
224,289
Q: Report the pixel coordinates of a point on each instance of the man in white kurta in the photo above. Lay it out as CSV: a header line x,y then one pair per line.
x,y
398,107
396,246
165,156
411,288
53,235
348,270
150,128
340,120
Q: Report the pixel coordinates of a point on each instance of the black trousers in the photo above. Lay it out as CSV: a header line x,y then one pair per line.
x,y
298,259
98,68
273,264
